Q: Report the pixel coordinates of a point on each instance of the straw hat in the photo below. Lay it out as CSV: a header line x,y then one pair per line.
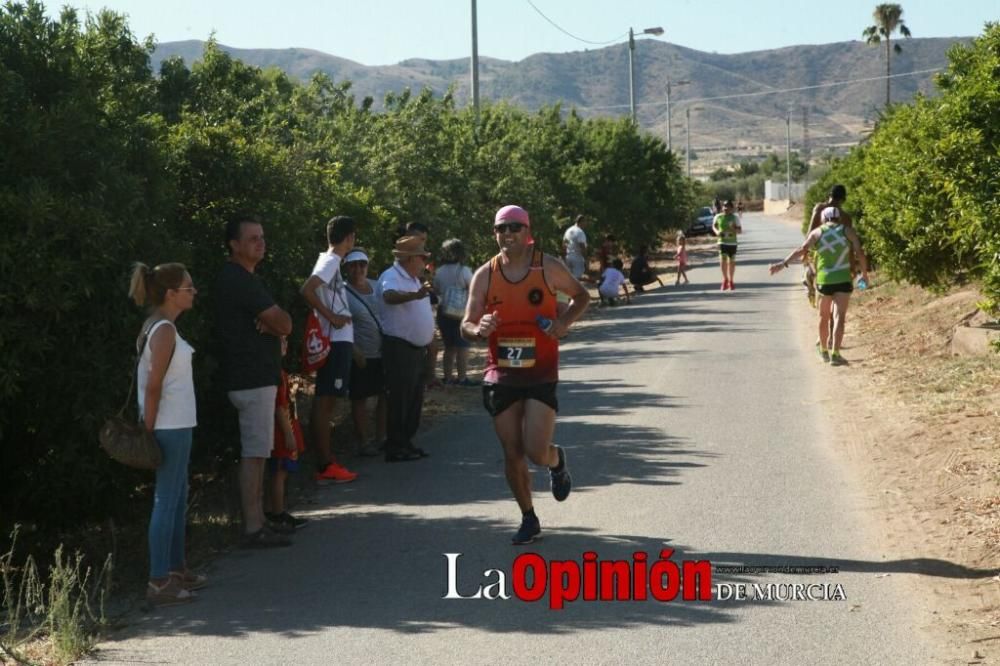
x,y
410,246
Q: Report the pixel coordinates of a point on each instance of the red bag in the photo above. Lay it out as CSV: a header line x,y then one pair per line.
x,y
315,346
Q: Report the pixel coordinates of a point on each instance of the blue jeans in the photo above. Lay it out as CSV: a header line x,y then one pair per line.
x,y
167,524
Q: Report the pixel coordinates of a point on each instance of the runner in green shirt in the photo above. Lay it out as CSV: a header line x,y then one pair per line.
x,y
726,226
833,242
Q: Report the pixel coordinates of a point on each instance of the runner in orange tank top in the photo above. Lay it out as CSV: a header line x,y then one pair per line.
x,y
512,304
521,354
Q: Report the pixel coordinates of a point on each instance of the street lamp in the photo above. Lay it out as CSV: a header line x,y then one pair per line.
x,y
676,83
631,65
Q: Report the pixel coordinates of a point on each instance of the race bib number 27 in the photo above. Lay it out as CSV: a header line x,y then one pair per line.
x,y
516,352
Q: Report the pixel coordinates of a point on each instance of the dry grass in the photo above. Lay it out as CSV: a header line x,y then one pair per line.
x,y
930,432
903,335
908,334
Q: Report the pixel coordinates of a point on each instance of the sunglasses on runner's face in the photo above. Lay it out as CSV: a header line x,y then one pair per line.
x,y
512,227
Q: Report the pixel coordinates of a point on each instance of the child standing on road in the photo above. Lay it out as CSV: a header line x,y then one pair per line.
x,y
682,257
288,444
612,279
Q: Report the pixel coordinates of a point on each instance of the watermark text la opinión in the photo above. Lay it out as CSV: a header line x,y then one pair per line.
x,y
533,578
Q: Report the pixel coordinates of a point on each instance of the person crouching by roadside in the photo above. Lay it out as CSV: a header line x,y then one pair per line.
x,y
288,447
367,373
640,273
612,281
408,329
167,409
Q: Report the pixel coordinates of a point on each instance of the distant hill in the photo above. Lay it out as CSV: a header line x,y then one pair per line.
x,y
594,80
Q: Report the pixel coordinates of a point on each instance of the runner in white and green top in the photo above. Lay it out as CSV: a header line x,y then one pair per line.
x,y
726,226
833,242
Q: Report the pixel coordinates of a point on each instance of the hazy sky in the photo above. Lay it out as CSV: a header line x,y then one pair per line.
x,y
381,32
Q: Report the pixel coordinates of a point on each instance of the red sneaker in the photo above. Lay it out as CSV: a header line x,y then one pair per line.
x,y
336,473
724,285
731,286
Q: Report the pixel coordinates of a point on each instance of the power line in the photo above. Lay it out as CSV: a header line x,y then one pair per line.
x,y
567,32
832,84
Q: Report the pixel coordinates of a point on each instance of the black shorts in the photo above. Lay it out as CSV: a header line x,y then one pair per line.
x,y
367,381
836,288
727,251
334,377
498,397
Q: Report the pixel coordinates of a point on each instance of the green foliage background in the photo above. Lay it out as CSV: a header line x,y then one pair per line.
x,y
105,162
925,188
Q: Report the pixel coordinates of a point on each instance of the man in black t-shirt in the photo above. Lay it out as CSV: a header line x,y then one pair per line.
x,y
248,327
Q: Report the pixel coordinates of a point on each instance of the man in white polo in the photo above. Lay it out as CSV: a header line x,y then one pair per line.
x,y
575,242
408,328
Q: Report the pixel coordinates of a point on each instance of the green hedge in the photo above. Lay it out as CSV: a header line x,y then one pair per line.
x,y
926,186
105,162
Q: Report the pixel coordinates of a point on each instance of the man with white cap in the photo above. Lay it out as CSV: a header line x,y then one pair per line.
x,y
834,242
408,328
512,306
367,374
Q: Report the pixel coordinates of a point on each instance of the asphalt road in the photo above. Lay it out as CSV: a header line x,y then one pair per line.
x,y
693,421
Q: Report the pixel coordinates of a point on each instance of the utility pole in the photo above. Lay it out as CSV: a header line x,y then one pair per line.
x,y
669,143
806,150
788,154
687,139
475,64
631,65
631,74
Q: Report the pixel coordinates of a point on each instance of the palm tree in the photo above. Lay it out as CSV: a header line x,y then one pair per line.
x,y
888,18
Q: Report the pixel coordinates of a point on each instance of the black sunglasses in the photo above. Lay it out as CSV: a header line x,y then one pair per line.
x,y
512,227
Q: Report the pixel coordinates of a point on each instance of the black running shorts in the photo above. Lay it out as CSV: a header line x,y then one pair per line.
x,y
837,288
498,397
726,250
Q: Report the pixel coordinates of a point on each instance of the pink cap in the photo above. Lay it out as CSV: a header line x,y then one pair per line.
x,y
514,214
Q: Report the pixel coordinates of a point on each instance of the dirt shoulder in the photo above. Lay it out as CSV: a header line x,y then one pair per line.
x,y
921,427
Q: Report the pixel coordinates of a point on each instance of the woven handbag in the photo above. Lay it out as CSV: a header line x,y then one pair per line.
x,y
126,440
453,305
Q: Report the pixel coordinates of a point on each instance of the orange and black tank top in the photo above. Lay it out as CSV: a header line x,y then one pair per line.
x,y
520,354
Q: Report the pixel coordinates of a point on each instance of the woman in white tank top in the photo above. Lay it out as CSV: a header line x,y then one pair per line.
x,y
167,409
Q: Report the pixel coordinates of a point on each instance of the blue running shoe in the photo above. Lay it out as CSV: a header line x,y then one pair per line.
x,y
561,481
530,528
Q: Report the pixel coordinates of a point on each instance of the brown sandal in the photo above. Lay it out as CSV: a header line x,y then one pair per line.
x,y
190,580
170,593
